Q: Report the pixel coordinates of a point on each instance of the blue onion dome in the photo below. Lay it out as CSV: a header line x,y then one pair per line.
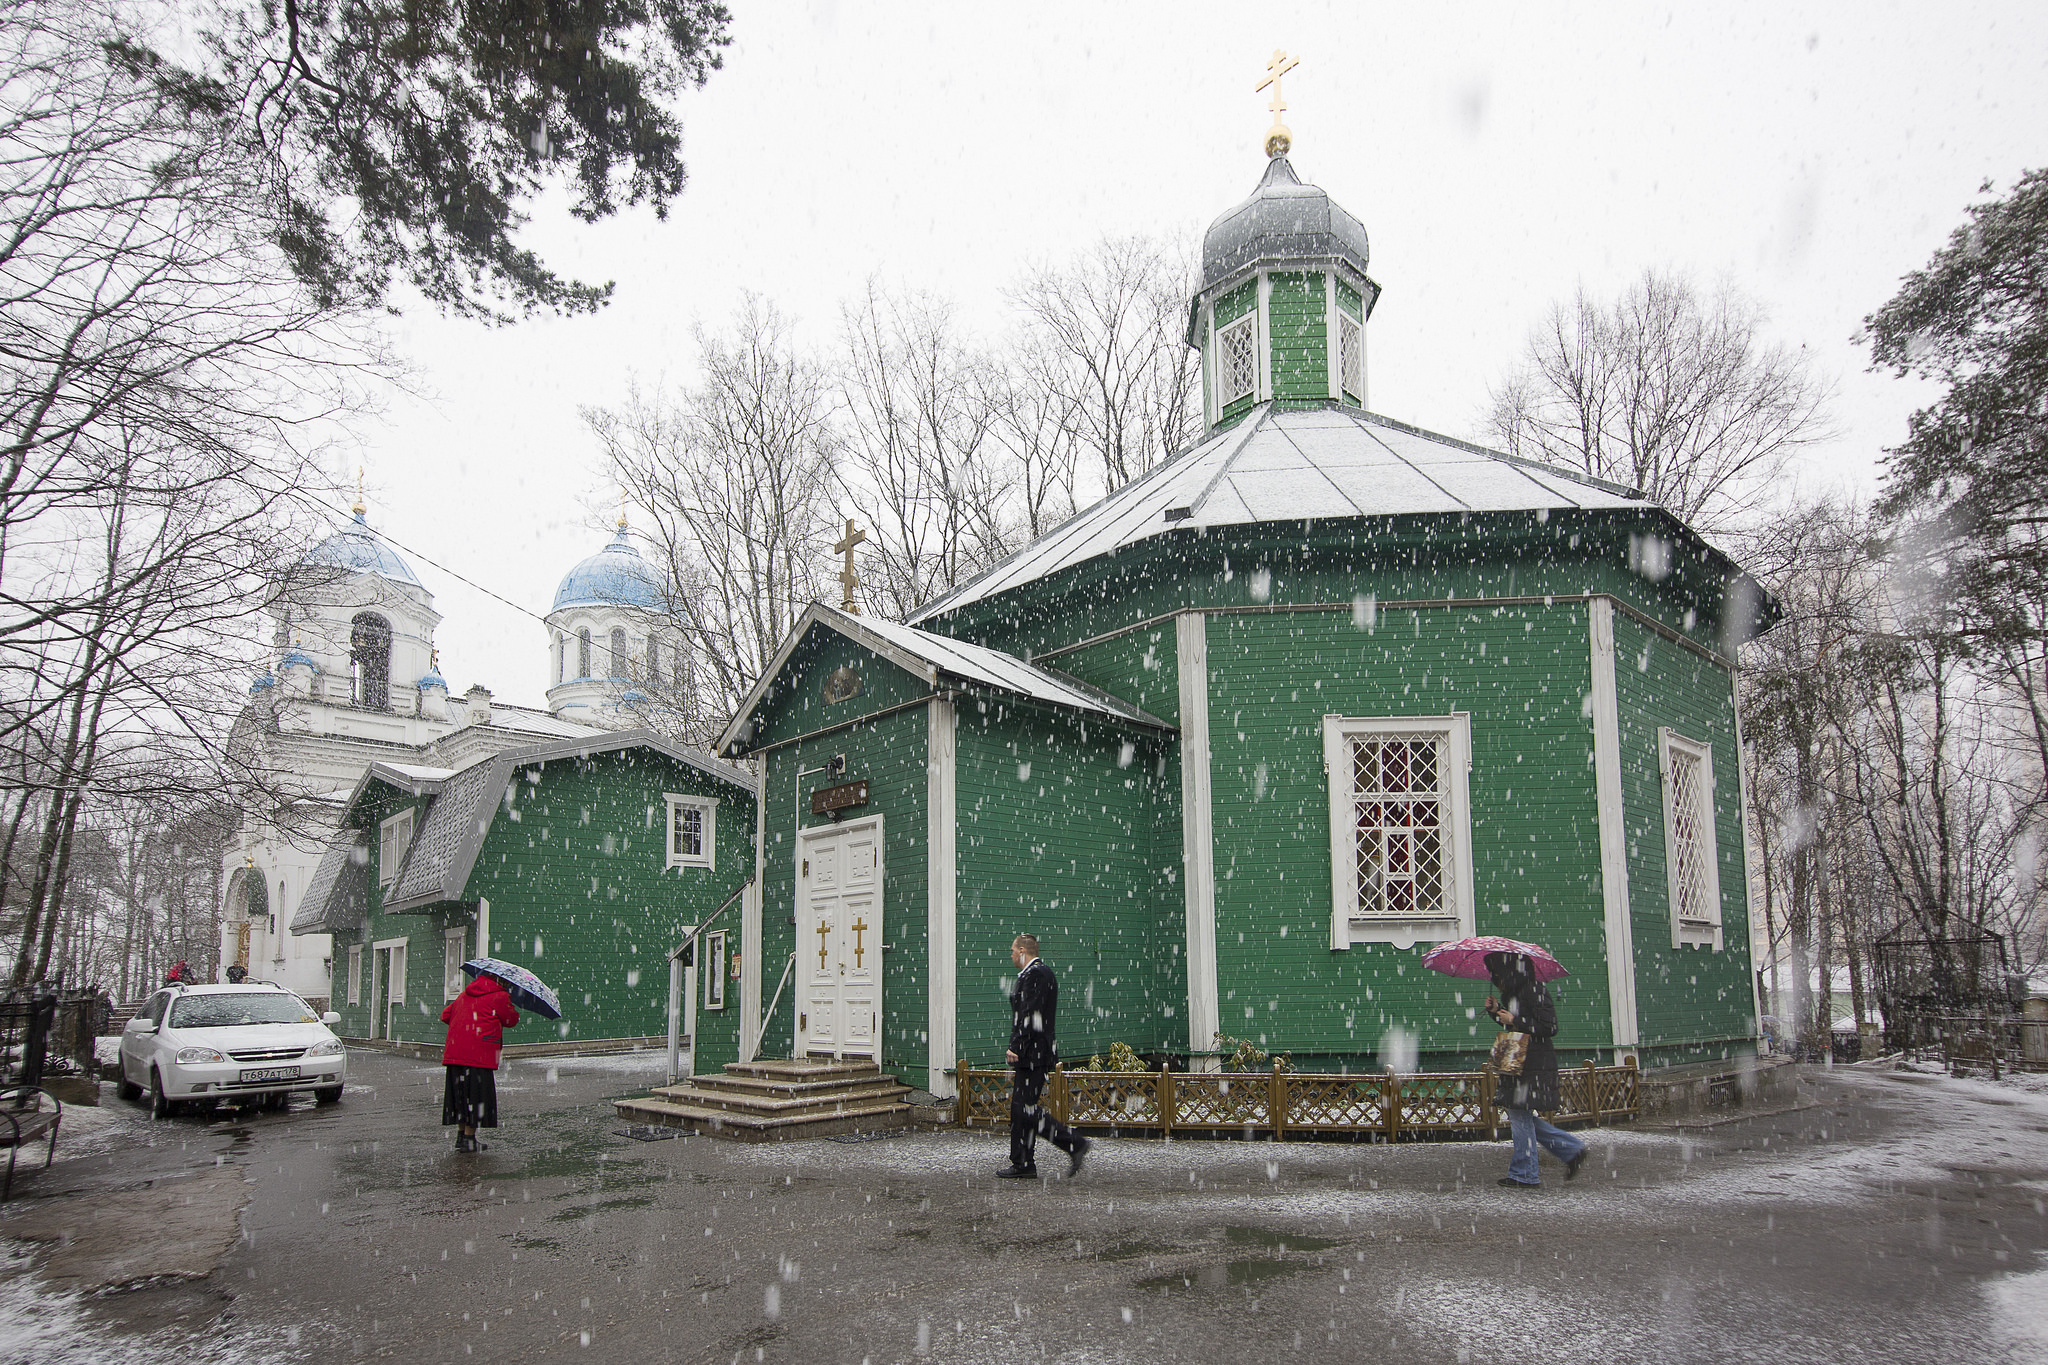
x,y
264,682
1283,220
635,697
432,678
295,656
356,547
615,576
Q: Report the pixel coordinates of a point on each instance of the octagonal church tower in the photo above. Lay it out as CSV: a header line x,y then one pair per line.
x,y
610,660
1246,738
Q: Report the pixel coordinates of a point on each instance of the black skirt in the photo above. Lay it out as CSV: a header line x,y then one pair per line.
x,y
470,1097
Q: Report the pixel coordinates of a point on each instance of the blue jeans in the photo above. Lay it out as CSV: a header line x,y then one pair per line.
x,y
1531,1132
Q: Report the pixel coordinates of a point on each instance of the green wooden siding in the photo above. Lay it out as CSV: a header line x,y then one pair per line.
x,y
1691,1003
1058,836
1523,673
574,868
1350,301
1299,331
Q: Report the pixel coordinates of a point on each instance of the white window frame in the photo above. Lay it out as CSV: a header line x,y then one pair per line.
x,y
453,943
714,975
1348,928
709,806
392,846
1702,929
355,974
1225,395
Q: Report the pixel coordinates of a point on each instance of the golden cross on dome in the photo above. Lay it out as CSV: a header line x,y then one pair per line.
x,y
1278,139
848,579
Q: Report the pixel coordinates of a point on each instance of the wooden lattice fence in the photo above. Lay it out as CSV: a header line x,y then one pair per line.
x,y
1279,1103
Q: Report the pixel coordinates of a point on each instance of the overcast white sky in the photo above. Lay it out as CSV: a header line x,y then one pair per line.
x,y
1498,155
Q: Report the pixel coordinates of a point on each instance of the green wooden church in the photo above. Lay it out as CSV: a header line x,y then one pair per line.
x,y
1245,739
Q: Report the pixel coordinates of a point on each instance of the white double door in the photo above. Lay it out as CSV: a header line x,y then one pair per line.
x,y
839,939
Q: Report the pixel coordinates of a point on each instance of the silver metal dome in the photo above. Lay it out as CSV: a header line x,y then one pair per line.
x,y
1283,220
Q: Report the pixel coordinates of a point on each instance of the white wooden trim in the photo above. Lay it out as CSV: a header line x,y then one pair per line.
x,y
942,750
1198,862
1330,334
714,953
389,861
1345,931
797,854
1262,389
1750,917
484,947
1607,799
1669,740
355,975
751,944
1209,379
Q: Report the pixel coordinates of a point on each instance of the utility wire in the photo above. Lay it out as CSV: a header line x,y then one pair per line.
x,y
389,539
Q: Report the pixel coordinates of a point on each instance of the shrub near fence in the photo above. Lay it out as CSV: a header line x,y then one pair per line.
x,y
1283,1103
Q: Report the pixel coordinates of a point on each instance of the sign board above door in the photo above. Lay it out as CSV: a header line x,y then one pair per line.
x,y
845,796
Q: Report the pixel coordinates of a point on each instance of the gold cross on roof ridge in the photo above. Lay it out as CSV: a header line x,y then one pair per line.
x,y
1278,139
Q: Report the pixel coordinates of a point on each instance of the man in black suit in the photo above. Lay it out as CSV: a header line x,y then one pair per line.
x,y
1034,1001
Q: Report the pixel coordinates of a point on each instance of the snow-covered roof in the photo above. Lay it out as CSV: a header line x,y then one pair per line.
x,y
444,851
932,657
338,897
529,721
1297,465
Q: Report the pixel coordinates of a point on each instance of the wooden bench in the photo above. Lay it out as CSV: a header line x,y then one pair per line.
x,y
23,1119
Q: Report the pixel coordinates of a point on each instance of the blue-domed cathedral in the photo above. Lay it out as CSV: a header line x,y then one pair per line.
x,y
356,680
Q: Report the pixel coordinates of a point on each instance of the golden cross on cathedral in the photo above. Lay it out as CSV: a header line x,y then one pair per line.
x,y
848,579
823,929
1278,139
859,927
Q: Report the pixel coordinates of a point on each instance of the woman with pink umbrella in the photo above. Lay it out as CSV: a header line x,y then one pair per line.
x,y
1524,1058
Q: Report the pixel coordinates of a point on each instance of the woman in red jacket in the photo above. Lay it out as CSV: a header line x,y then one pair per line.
x,y
475,1019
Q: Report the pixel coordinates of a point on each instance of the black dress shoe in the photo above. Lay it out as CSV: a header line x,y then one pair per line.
x,y
1017,1173
1515,1184
1571,1168
1082,1146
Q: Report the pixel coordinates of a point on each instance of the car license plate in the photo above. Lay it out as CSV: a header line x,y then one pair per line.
x,y
270,1073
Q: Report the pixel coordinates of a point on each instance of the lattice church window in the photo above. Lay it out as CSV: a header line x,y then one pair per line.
x,y
1350,356
1237,352
1400,847
1691,858
620,664
583,653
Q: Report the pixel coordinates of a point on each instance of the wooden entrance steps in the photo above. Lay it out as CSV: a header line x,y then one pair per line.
x,y
777,1101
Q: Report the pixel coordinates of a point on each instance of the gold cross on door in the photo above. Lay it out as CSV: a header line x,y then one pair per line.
x,y
823,930
859,927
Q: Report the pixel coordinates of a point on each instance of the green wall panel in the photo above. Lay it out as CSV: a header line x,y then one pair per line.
x,y
1299,336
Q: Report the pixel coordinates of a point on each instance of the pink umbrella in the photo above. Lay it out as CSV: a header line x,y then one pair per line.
x,y
1467,957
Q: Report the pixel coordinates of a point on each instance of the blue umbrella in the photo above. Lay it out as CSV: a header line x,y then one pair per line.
x,y
528,991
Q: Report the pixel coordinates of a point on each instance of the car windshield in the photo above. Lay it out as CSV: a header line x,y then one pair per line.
x,y
227,1009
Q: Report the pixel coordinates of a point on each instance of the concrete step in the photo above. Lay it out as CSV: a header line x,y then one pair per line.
x,y
757,1128
836,1101
771,1089
801,1069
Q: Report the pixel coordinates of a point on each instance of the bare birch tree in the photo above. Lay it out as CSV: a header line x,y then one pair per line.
x,y
1104,334
736,474
1665,391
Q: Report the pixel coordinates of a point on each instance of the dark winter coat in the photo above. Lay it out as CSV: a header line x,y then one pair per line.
x,y
476,1019
1530,1011
1034,1004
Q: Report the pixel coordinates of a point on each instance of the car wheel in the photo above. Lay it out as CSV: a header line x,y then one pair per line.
x,y
160,1105
127,1089
330,1094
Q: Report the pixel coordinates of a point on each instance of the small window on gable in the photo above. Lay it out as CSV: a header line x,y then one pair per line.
x,y
1691,854
1400,828
692,829
1237,355
1350,356
394,836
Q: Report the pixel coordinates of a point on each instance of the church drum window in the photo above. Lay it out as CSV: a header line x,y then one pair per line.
x,y
1690,848
369,655
1401,865
653,661
691,829
583,653
621,665
561,657
1237,370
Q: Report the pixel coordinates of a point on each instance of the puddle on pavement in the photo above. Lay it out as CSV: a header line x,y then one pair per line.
x,y
1283,1256
1227,1275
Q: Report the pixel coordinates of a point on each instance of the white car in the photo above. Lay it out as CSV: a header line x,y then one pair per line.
x,y
206,1044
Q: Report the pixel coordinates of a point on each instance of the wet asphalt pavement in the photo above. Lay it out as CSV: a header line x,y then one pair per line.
x,y
1898,1218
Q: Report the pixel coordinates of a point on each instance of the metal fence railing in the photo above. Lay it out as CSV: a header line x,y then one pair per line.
x,y
1281,1103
